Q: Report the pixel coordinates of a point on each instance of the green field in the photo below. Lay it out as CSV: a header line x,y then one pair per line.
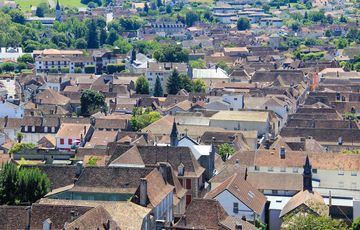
x,y
202,1
26,4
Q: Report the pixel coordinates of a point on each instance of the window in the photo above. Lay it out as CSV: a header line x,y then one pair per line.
x,y
270,169
69,141
45,129
314,171
353,173
341,172
295,170
257,168
188,183
353,185
236,207
188,199
62,141
282,169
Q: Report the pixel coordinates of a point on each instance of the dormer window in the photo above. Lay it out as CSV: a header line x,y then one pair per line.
x,y
181,170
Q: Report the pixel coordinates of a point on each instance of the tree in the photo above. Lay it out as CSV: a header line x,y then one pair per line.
x,y
115,68
329,19
199,86
343,19
243,24
19,136
42,9
146,8
168,9
295,26
197,64
191,17
8,67
26,58
81,43
89,69
19,147
8,182
32,185
92,102
113,36
103,36
308,221
122,45
173,85
140,121
225,151
17,16
223,65
158,90
92,35
171,53
341,43
22,185
142,85
356,224
185,83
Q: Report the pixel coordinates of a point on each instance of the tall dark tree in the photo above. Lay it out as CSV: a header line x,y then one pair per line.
x,y
158,90
142,85
243,24
173,85
92,35
103,36
113,36
146,8
92,102
191,17
8,181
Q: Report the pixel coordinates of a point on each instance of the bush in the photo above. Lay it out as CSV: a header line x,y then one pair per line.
x,y
64,70
53,70
90,69
243,24
78,70
115,68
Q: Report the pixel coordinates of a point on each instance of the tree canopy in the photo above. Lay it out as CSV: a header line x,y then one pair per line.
x,y
141,119
225,151
142,85
308,221
243,24
171,53
92,102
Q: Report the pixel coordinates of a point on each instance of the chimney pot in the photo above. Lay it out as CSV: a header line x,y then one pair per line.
x,y
143,192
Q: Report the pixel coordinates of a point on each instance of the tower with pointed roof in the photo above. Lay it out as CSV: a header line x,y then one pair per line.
x,y
58,11
174,135
307,175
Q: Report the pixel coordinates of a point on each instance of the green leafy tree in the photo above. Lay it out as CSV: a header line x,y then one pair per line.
x,y
115,68
223,65
42,9
92,102
26,58
243,24
81,43
19,147
92,35
8,67
89,69
308,221
356,224
225,151
146,8
32,185
171,53
185,83
158,90
341,43
295,26
197,64
173,85
142,85
139,122
168,9
103,36
19,136
8,184
199,86
113,36
17,16
123,45
191,17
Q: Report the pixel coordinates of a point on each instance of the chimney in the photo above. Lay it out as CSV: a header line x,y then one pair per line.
x,y
47,224
28,218
79,168
84,130
160,224
340,141
282,152
35,105
165,171
6,120
238,227
143,192
246,173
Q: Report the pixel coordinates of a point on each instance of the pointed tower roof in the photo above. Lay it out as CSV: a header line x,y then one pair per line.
x,y
174,135
58,5
307,175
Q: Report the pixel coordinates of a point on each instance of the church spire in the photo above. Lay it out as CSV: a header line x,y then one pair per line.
x,y
174,135
58,11
307,175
